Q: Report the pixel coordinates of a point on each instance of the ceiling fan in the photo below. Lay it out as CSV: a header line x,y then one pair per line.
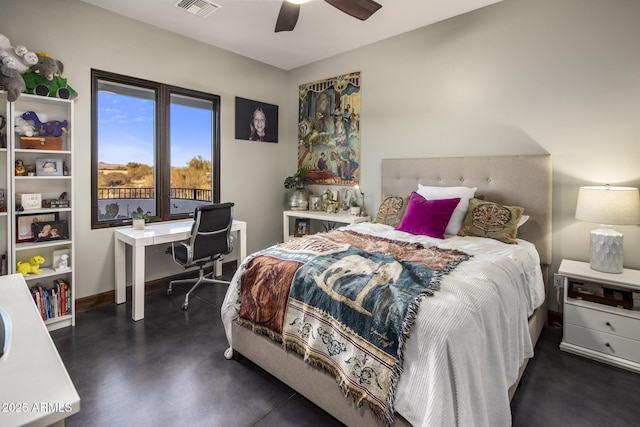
x,y
290,9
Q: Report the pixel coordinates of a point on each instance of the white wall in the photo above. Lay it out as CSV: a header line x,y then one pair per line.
x,y
518,77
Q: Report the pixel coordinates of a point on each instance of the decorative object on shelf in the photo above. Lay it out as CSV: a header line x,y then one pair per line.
x,y
315,203
50,128
50,230
61,260
29,201
23,127
24,232
359,189
608,206
345,196
299,197
20,170
301,227
31,267
45,78
16,60
355,207
41,142
49,167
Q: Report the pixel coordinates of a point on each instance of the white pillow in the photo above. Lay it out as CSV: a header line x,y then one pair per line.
x,y
523,219
438,193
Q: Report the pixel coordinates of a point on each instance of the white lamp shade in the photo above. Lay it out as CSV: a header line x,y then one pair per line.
x,y
609,205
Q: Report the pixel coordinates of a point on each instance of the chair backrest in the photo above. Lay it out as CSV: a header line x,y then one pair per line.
x,y
211,231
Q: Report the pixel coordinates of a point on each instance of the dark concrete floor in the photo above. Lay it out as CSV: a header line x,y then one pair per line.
x,y
169,370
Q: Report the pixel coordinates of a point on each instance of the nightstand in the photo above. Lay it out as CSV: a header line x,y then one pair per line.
x,y
600,321
330,218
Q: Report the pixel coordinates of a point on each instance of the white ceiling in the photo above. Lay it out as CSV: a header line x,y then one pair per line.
x,y
246,27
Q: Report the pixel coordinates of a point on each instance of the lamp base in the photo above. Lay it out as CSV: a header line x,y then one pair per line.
x,y
606,250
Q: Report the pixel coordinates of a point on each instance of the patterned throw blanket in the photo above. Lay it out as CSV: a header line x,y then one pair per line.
x,y
346,302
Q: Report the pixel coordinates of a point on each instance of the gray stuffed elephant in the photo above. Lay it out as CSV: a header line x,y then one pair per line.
x,y
45,79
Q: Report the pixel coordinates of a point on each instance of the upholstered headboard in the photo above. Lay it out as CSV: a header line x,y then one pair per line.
x,y
510,180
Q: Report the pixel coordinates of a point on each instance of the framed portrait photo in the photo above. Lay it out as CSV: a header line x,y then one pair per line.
x,y
50,230
315,203
256,121
301,227
24,230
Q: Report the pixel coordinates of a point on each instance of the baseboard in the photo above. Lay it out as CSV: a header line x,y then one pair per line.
x,y
152,286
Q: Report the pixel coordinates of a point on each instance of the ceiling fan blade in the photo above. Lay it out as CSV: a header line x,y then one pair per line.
x,y
288,16
361,9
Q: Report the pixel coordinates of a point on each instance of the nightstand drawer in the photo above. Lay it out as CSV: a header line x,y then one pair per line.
x,y
602,342
601,321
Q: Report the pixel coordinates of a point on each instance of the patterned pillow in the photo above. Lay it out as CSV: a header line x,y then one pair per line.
x,y
427,217
391,210
488,219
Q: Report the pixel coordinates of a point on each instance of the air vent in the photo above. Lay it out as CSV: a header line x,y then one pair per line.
x,y
201,8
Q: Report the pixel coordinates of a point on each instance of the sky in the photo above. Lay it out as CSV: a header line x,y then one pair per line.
x,y
126,131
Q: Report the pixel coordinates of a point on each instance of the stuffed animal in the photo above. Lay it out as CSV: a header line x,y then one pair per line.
x,y
50,128
31,267
23,59
10,78
45,79
24,128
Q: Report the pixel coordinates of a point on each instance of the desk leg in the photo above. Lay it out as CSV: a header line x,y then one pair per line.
x,y
242,236
120,271
285,228
137,290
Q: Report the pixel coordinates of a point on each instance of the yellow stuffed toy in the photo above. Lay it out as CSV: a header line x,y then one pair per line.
x,y
31,267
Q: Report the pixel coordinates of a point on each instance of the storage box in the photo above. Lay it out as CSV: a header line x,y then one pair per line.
x,y
29,201
41,142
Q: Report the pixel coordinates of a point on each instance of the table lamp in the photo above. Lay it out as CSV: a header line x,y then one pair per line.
x,y
608,206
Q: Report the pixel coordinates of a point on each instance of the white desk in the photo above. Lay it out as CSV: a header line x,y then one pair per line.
x,y
155,234
342,218
35,388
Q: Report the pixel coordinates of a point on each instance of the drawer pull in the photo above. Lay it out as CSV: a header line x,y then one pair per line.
x,y
608,323
608,345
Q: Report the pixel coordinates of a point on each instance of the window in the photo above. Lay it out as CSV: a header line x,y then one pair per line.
x,y
155,149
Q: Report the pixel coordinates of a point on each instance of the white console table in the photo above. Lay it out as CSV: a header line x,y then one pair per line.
x,y
341,218
35,387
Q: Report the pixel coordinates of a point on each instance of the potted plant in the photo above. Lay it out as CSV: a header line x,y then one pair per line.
x,y
355,207
140,218
299,197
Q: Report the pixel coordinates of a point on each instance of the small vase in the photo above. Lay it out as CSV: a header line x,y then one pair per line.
x,y
299,199
355,210
138,224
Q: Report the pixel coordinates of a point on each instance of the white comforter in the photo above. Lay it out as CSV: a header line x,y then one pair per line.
x,y
469,339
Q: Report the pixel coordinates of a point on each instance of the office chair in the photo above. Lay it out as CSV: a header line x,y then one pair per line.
x,y
210,239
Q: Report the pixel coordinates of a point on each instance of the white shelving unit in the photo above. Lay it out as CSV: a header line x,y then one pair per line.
x,y
21,246
5,242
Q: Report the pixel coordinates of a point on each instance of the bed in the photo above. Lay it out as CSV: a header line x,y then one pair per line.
x,y
470,369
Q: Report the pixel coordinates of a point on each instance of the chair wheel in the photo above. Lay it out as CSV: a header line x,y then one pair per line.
x,y
169,291
185,306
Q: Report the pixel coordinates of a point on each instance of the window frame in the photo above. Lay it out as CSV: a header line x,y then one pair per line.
x,y
162,147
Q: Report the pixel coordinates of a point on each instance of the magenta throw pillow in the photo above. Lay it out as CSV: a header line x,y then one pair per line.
x,y
427,217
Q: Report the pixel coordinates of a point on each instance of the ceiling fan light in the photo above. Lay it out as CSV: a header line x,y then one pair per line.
x,y
298,1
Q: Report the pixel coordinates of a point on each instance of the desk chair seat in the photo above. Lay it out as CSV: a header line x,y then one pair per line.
x,y
210,239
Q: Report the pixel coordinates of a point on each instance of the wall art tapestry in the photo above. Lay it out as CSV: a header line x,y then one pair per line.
x,y
329,130
256,121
